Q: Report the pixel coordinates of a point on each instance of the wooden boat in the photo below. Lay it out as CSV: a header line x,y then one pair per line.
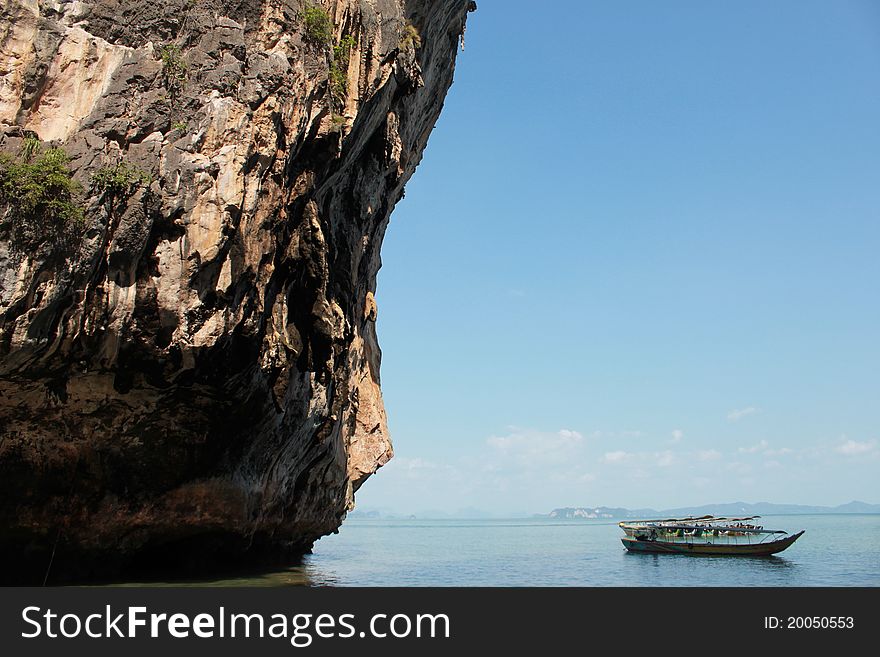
x,y
705,535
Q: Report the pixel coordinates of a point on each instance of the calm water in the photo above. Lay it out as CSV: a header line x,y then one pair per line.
x,y
837,550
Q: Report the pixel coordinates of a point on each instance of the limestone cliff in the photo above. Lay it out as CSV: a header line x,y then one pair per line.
x,y
195,377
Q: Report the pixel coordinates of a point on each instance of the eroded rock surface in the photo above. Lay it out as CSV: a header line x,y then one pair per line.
x,y
198,380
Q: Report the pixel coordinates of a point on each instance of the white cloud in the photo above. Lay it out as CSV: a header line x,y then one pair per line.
x,y
652,459
404,463
617,435
738,414
763,448
616,457
739,468
417,468
533,442
538,453
782,451
854,448
754,449
566,466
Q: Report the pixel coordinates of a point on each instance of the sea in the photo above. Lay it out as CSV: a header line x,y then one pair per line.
x,y
836,550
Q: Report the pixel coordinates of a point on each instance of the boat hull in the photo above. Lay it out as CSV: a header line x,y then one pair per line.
x,y
727,549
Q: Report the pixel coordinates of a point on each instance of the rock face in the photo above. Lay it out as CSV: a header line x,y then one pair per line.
x,y
197,381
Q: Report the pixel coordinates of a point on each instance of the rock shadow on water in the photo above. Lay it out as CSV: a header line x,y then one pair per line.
x,y
216,559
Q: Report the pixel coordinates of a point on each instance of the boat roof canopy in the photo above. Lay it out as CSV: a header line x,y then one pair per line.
x,y
744,530
701,522
703,519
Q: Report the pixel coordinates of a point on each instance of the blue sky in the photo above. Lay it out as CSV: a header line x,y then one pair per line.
x,y
639,263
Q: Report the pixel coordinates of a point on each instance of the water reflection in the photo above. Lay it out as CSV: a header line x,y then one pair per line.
x,y
641,569
773,562
307,573
299,575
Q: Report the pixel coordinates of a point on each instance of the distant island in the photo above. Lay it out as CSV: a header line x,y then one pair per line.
x,y
378,515
728,509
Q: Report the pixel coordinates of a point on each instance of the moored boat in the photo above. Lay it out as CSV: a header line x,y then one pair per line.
x,y
705,535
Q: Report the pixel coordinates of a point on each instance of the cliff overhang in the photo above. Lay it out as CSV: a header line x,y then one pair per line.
x,y
193,376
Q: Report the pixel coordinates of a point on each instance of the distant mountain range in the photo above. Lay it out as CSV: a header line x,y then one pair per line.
x,y
608,512
729,509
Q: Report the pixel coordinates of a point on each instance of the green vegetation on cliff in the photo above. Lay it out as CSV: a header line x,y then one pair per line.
x,y
174,71
411,38
317,26
38,197
318,31
118,182
339,68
